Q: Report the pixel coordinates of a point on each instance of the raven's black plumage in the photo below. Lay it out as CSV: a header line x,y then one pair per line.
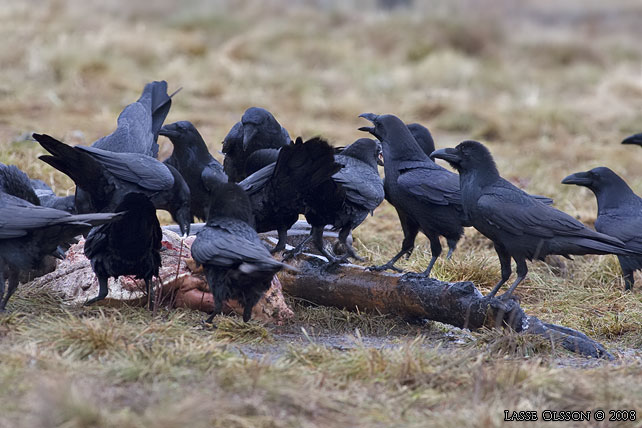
x,y
48,198
425,195
195,163
423,137
277,192
16,183
139,123
257,130
108,176
236,263
128,246
619,213
345,201
29,233
519,225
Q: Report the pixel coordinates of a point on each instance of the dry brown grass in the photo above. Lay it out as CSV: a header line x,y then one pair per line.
x,y
551,87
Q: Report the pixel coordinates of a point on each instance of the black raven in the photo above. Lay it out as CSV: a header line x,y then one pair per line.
x,y
29,233
195,163
258,130
520,226
108,176
277,192
619,213
128,246
345,201
425,195
139,123
236,263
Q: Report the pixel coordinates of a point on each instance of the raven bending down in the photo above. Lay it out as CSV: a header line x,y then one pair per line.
x,y
520,226
619,213
277,192
106,177
128,246
345,200
236,263
28,233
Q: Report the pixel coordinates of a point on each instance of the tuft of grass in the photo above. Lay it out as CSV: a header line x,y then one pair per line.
x,y
507,343
231,329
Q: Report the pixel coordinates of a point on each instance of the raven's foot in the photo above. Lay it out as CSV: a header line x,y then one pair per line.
x,y
415,275
507,297
346,250
276,249
381,268
291,254
335,262
94,300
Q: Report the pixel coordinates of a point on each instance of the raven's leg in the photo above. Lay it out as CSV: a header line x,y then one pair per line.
x,y
343,242
522,270
627,272
452,245
216,281
628,279
102,290
13,285
149,286
317,238
435,250
283,237
296,251
250,299
504,261
410,230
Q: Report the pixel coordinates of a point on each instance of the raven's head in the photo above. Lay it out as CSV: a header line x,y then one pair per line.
x,y
365,149
595,179
385,125
258,121
633,139
178,132
467,156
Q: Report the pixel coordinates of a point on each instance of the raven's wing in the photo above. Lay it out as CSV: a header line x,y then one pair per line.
x,y
362,186
218,246
97,241
136,168
626,227
512,210
133,133
258,180
433,185
19,217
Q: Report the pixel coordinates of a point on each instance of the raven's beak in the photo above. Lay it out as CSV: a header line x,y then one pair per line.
x,y
579,178
169,131
450,155
249,132
369,129
633,139
369,116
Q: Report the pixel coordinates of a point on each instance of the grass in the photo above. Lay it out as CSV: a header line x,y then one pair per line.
x,y
551,88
